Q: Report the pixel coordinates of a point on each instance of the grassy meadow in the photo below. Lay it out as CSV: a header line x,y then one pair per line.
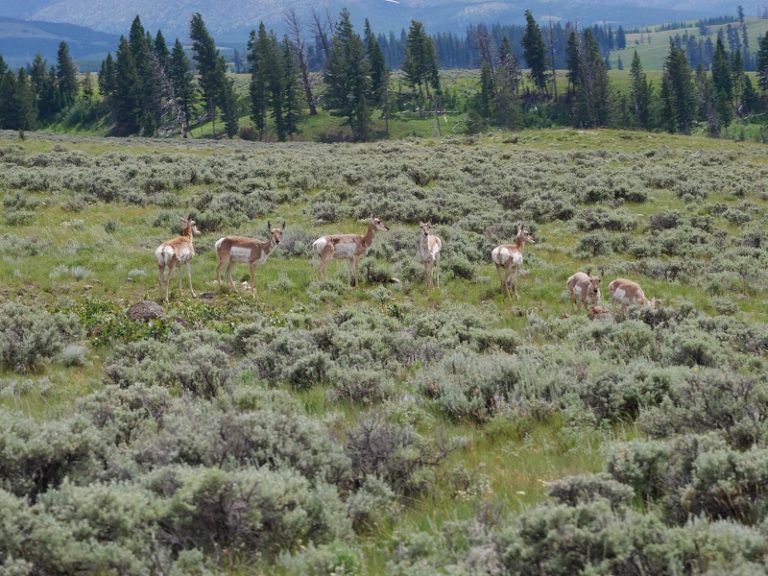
x,y
311,427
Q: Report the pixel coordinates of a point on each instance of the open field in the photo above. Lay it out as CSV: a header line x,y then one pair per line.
x,y
312,426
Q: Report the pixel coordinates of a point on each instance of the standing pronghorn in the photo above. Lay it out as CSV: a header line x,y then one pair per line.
x,y
429,252
626,292
233,249
509,257
350,247
172,253
583,289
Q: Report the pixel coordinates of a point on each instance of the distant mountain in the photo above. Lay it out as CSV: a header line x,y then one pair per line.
x,y
20,40
231,20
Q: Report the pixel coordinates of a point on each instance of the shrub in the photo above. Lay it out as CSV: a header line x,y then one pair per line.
x,y
250,512
360,385
29,336
396,454
576,490
324,560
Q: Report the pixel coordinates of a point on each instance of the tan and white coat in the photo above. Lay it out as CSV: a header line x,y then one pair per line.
x,y
509,259
583,289
174,252
429,252
350,247
233,249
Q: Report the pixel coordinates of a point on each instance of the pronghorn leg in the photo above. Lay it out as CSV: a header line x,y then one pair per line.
x,y
219,266
250,275
356,271
189,276
502,276
230,267
428,267
325,257
437,273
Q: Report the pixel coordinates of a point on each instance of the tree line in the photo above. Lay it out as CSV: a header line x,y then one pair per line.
x,y
150,89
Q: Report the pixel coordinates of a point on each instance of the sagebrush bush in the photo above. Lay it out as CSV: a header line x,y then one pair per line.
x,y
30,336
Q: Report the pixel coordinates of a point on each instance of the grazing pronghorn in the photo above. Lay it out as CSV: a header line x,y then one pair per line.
x,y
350,247
583,289
233,249
429,252
175,252
509,258
626,292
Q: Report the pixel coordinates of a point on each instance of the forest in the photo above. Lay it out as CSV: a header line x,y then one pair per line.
x,y
335,84
313,427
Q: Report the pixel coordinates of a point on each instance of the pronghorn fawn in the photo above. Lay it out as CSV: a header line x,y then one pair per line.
x,y
429,252
626,292
350,247
509,259
173,253
233,249
583,289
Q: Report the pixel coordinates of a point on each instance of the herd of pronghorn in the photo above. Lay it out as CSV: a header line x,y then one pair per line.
x,y
583,288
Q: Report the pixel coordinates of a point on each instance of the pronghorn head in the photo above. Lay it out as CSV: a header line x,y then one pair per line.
x,y
425,228
523,236
378,224
190,227
275,233
594,285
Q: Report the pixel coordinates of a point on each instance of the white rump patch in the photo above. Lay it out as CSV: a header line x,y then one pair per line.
x,y
619,294
577,290
319,245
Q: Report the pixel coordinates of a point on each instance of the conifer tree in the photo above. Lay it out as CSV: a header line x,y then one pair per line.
x,y
591,95
44,86
379,72
258,48
762,63
347,78
301,59
535,52
26,107
420,64
9,117
505,105
160,48
292,92
722,84
66,77
126,99
211,69
641,94
183,83
678,109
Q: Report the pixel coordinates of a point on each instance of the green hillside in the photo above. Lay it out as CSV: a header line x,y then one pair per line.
x,y
652,44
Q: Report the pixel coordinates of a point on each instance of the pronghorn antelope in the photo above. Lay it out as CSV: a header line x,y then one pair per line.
x,y
429,252
509,258
174,252
583,289
233,249
626,292
350,247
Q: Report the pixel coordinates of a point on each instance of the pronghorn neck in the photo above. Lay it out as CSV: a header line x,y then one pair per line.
x,y
369,235
187,233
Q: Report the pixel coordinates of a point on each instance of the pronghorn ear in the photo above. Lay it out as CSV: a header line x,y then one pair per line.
x,y
283,226
589,271
269,225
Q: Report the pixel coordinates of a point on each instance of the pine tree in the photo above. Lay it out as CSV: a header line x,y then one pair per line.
x,y
641,94
762,63
677,92
420,64
126,99
211,67
183,82
291,91
508,65
9,113
621,39
66,77
347,78
722,84
107,77
379,72
44,86
535,52
160,48
228,103
572,61
26,107
486,91
258,46
591,91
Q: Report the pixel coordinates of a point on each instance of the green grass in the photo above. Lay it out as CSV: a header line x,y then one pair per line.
x,y
517,457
